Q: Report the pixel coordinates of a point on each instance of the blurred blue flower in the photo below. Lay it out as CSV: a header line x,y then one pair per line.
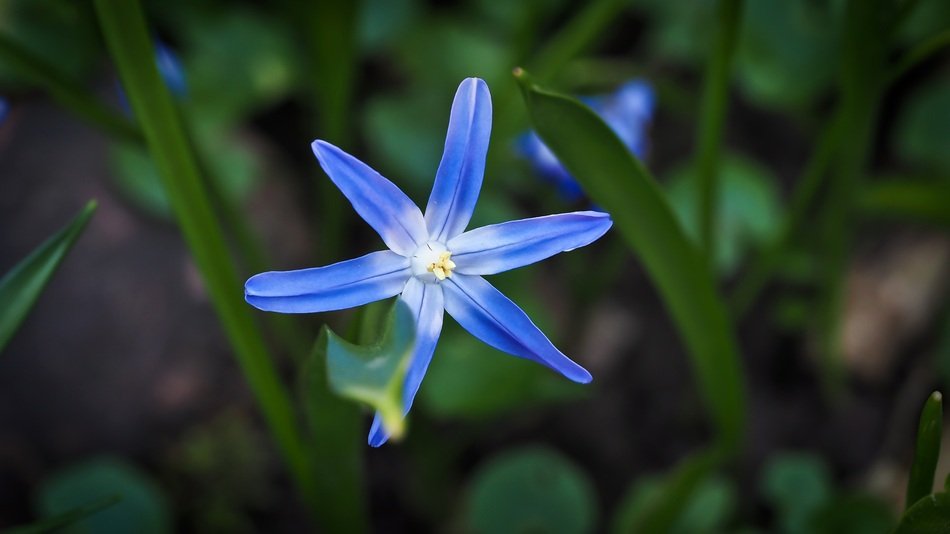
x,y
169,66
4,109
171,71
628,111
432,262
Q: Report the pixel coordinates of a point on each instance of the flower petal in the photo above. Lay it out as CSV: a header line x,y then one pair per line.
x,y
350,283
383,205
493,318
426,302
460,174
501,247
628,112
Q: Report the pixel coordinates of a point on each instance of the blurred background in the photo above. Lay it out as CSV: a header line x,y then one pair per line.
x,y
120,377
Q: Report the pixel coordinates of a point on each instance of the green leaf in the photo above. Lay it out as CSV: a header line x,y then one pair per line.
x,y
470,379
680,30
930,515
748,213
780,40
399,125
62,87
924,20
128,38
929,431
59,522
707,509
231,163
135,175
330,33
797,486
142,508
712,116
336,430
20,287
660,508
907,199
614,179
375,374
382,22
854,513
448,50
531,489
57,33
924,126
238,61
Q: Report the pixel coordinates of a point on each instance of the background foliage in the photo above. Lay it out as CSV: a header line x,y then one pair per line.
x,y
764,323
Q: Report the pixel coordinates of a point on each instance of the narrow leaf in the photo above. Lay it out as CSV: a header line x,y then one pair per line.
x,y
20,287
916,200
713,115
58,522
374,374
128,39
930,515
337,445
921,481
617,181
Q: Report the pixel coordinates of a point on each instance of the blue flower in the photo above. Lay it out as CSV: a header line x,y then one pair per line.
x,y
171,70
628,111
4,109
432,263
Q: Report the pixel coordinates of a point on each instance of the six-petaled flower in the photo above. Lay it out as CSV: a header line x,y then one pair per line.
x,y
432,263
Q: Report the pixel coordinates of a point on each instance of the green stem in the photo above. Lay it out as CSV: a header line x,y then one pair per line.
x,y
253,258
919,54
763,266
65,90
582,30
861,85
328,30
709,134
127,37
577,35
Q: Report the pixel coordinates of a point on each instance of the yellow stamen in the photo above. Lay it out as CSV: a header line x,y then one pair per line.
x,y
442,269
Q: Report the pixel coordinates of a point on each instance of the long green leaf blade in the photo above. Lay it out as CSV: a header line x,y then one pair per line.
x,y
336,428
921,481
20,287
930,515
617,181
709,132
127,37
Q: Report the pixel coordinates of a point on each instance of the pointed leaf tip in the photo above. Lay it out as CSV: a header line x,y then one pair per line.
x,y
523,77
23,284
374,374
929,432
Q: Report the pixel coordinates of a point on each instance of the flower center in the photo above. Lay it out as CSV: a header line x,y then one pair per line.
x,y
432,263
443,267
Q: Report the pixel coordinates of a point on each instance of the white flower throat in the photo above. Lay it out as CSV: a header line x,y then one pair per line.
x,y
432,262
